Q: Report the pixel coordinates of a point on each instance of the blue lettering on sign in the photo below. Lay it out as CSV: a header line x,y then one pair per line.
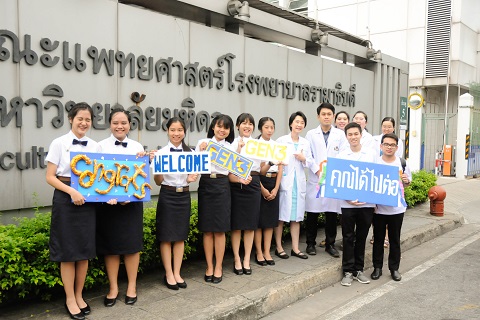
x,y
185,163
229,160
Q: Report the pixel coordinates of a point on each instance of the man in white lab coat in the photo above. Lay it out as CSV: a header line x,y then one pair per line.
x,y
325,141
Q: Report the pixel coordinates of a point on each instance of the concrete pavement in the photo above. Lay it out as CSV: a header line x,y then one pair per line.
x,y
269,288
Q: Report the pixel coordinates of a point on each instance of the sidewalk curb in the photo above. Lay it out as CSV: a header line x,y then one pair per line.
x,y
278,295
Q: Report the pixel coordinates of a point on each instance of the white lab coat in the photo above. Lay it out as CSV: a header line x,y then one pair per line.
x,y
336,142
286,185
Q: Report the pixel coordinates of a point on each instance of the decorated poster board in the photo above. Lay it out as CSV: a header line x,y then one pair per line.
x,y
365,181
229,160
100,177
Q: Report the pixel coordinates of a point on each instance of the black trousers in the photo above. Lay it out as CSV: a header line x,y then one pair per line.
x,y
311,224
355,225
380,222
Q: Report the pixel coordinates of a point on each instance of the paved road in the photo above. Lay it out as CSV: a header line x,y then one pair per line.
x,y
440,281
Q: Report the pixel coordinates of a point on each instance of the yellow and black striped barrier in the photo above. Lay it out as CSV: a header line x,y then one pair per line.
x,y
407,138
467,146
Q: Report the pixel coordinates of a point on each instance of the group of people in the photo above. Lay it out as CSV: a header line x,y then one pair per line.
x,y
253,209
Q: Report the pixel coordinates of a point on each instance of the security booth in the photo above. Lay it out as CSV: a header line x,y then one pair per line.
x,y
166,58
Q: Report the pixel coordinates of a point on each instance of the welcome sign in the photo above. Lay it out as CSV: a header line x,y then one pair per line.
x,y
266,150
100,177
181,163
230,160
365,181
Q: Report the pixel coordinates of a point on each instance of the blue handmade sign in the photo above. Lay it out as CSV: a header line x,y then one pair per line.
x,y
181,163
100,177
365,181
230,160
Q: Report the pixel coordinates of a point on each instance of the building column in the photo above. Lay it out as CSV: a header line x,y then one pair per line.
x,y
465,105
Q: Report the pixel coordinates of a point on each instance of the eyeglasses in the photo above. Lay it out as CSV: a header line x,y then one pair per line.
x,y
388,145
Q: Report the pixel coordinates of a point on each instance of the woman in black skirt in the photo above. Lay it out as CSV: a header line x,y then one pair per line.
x,y
270,177
173,209
214,200
120,225
72,231
246,197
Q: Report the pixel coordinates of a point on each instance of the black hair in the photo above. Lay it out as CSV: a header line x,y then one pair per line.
x,y
352,125
391,136
340,112
77,107
390,119
326,105
261,122
117,110
364,115
293,116
175,120
224,121
243,117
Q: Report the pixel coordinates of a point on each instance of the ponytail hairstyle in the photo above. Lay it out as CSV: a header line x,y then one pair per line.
x,y
261,122
175,120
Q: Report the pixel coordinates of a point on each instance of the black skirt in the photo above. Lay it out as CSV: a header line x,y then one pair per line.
x,y
269,210
246,204
119,228
214,204
173,215
72,230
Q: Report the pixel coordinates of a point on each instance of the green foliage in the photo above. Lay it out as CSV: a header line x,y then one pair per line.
x,y
26,270
417,191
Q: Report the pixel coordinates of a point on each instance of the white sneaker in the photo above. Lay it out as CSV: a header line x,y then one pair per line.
x,y
360,277
347,279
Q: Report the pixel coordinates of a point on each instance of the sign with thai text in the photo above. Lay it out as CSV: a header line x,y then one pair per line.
x,y
230,160
100,177
362,181
265,150
181,163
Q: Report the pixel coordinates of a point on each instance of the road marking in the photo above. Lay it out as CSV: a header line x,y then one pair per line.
x,y
371,296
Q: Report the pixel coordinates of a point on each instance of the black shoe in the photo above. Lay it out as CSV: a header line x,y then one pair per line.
x,y
182,285
299,254
311,250
281,254
396,275
208,278
107,302
78,316
87,310
332,251
262,263
238,272
270,262
376,274
130,300
170,286
217,279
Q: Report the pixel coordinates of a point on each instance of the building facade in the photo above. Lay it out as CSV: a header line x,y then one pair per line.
x,y
441,41
164,58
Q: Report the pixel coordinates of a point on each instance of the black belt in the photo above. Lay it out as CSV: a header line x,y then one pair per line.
x,y
254,173
176,189
63,179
